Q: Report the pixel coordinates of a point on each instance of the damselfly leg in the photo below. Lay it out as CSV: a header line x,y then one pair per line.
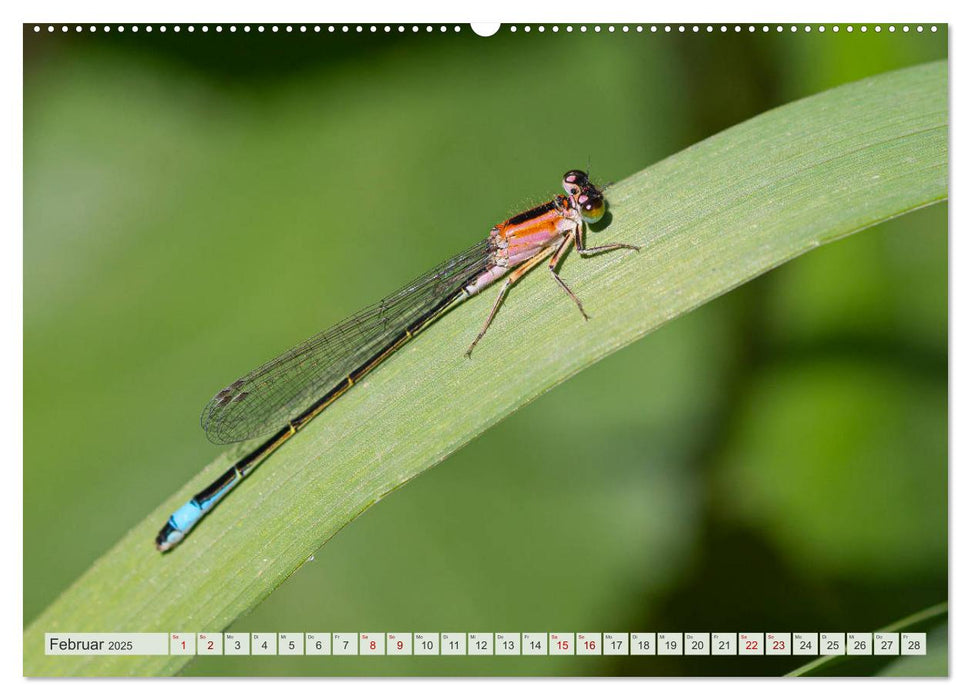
x,y
510,281
555,260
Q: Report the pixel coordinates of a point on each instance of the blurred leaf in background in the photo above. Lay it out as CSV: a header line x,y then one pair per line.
x,y
196,204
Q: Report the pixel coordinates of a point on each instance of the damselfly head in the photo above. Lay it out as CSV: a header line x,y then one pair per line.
x,y
574,182
588,197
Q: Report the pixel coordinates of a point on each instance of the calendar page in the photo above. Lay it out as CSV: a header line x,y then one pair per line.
x,y
657,312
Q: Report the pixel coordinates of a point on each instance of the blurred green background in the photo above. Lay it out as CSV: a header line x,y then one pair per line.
x,y
196,203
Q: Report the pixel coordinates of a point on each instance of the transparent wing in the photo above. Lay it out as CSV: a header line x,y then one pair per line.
x,y
269,396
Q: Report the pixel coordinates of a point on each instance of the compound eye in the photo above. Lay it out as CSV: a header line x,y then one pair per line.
x,y
574,181
592,207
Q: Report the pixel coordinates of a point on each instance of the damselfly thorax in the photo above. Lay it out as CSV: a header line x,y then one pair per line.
x,y
520,243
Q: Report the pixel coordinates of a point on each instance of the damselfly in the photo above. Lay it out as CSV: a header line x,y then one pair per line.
x,y
285,394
